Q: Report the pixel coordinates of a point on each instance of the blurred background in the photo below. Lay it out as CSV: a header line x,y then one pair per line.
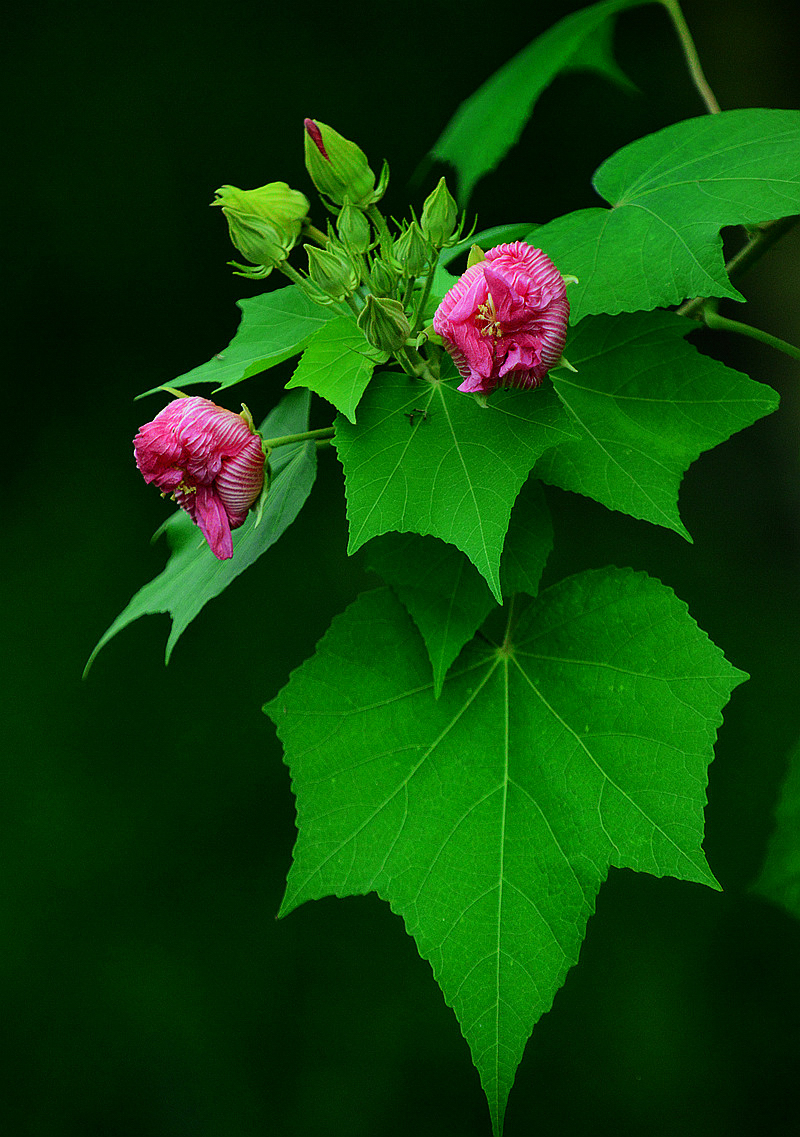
x,y
147,823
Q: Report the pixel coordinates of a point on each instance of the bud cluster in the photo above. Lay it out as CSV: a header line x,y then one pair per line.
x,y
359,260
504,321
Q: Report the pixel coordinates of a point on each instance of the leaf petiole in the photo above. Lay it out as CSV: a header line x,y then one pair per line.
x,y
286,439
712,319
692,58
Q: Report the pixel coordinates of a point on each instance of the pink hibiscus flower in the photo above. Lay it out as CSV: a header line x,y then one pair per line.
x,y
504,322
209,460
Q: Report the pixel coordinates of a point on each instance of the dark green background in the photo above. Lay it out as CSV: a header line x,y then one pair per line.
x,y
147,822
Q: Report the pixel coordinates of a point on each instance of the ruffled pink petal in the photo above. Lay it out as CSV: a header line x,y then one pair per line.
x,y
211,515
241,480
518,358
477,385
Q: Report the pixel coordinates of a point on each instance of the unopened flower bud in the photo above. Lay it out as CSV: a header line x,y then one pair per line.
x,y
353,228
411,251
264,223
381,278
333,273
338,168
439,215
384,323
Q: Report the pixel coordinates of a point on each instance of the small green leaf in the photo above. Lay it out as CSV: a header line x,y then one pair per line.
x,y
337,364
490,122
444,593
780,877
274,327
193,575
426,459
489,819
646,404
671,192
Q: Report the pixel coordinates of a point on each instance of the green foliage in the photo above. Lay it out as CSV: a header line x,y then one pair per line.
x,y
444,593
490,122
780,877
488,819
193,575
481,768
645,405
337,364
274,327
671,193
426,459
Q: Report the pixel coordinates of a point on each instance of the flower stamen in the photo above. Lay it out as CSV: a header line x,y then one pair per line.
x,y
488,313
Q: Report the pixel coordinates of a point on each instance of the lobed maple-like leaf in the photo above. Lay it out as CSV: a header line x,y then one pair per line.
x,y
490,122
427,459
274,327
644,404
488,819
671,193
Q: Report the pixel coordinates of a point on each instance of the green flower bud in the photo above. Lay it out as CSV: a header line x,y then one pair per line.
x,y
381,278
411,251
384,323
439,215
338,167
264,223
334,274
353,228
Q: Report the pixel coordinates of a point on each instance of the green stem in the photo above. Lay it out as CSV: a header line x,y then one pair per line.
x,y
293,274
424,298
712,319
287,439
692,58
408,291
406,361
315,234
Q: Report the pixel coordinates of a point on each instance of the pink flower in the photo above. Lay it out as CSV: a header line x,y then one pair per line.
x,y
209,460
504,321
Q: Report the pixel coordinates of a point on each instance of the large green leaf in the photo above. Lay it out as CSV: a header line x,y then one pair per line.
x,y
193,575
780,877
488,819
274,327
490,122
671,192
445,595
337,364
645,404
426,459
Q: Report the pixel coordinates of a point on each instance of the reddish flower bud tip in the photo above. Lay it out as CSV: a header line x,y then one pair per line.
x,y
208,460
315,134
504,322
